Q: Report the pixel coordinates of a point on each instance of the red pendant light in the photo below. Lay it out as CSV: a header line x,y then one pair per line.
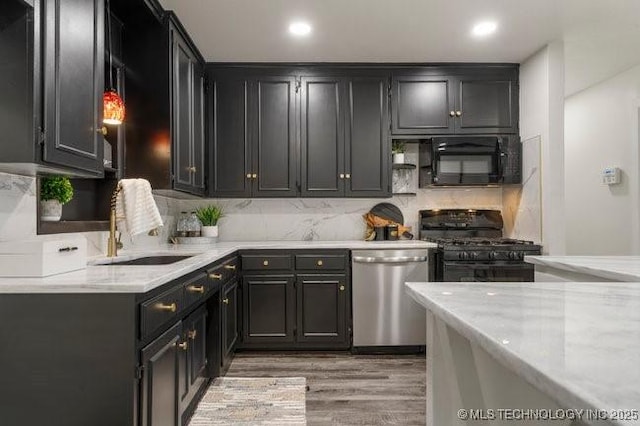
x,y
113,107
113,103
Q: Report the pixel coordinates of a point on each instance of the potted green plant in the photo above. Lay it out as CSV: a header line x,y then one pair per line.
x,y
209,217
55,191
398,149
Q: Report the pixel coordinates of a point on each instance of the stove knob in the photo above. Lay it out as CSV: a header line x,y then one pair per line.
x,y
514,255
473,255
463,255
493,255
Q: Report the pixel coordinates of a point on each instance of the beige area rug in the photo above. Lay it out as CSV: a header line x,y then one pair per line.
x,y
253,401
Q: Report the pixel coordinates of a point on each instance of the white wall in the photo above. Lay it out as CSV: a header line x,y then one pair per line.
x,y
601,129
541,122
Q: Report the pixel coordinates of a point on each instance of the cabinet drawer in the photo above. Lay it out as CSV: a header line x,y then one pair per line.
x,y
196,289
267,262
321,262
160,309
224,272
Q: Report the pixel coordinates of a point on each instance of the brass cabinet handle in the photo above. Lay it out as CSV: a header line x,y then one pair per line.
x,y
341,175
192,334
102,130
168,308
319,263
248,175
215,276
254,176
184,345
348,175
452,113
458,113
191,169
341,288
196,289
230,267
265,263
225,301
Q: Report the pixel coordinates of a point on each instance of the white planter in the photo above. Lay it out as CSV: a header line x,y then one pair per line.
x,y
50,210
209,231
398,158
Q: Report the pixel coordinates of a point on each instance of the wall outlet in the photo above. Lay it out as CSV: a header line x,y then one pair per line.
x,y
610,176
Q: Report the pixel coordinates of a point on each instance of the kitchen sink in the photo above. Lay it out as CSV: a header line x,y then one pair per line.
x,y
151,260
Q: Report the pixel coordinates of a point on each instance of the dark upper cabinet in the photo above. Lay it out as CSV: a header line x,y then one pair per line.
x,y
159,389
268,309
422,105
455,100
229,322
487,104
274,156
73,83
322,137
187,112
254,136
367,147
230,171
322,308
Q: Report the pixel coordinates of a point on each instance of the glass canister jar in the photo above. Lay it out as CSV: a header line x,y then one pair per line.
x,y
194,225
181,226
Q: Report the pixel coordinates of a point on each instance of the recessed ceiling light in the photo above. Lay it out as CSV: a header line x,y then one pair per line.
x,y
484,29
299,28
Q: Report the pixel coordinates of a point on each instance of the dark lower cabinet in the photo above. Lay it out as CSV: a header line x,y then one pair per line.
x,y
229,322
160,381
268,309
194,359
322,313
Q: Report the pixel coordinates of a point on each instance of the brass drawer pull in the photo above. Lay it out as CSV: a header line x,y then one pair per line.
x,y
215,276
230,267
184,345
192,334
341,288
265,263
225,301
196,289
319,263
168,308
248,175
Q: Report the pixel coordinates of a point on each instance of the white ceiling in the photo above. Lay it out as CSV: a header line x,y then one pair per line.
x,y
602,36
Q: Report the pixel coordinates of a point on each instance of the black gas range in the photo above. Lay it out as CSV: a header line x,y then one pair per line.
x,y
471,247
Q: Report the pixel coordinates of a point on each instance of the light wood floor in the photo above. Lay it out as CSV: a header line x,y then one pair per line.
x,y
345,389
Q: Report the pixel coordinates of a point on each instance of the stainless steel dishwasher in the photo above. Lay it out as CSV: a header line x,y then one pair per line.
x,y
384,315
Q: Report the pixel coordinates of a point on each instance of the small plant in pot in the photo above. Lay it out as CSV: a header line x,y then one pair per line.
x,y
54,192
209,217
398,149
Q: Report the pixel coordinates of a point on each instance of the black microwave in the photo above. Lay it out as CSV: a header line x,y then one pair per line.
x,y
476,160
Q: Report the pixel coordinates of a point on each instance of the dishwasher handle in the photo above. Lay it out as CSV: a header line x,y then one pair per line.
x,y
398,259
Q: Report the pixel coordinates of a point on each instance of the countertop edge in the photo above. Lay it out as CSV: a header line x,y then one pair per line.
x,y
563,394
583,269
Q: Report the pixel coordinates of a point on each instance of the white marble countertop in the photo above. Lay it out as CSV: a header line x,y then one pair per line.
x,y
100,277
579,343
618,268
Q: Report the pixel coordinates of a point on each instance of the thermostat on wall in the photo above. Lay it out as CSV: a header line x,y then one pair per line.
x,y
610,175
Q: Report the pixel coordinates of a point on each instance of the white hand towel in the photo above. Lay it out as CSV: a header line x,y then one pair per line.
x,y
136,210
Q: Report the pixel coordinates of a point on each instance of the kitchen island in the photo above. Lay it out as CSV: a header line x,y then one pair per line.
x,y
586,268
569,351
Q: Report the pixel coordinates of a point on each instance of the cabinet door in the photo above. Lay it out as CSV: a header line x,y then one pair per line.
x,y
274,153
229,322
159,399
230,144
182,112
198,154
322,308
322,137
73,84
193,372
268,309
486,105
367,147
422,105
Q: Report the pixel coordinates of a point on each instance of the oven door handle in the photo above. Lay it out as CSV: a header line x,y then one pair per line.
x,y
398,259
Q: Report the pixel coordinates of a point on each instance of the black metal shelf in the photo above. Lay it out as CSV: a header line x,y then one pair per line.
x,y
404,193
403,166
